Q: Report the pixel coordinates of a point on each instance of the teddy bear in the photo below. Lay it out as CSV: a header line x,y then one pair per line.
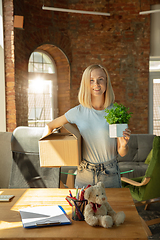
x,y
98,211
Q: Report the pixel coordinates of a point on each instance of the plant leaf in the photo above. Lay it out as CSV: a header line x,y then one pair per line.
x,y
118,114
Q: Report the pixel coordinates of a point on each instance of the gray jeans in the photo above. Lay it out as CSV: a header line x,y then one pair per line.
x,y
91,173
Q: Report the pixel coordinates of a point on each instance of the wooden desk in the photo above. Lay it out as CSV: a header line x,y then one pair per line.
x,y
11,225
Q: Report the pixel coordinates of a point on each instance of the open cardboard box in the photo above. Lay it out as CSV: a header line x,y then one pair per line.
x,y
61,148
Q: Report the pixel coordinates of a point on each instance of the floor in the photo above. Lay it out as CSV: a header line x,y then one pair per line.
x,y
153,212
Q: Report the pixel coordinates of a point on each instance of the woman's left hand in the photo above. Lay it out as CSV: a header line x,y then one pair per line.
x,y
125,139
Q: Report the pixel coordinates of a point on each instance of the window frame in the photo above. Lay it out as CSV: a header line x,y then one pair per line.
x,y
51,77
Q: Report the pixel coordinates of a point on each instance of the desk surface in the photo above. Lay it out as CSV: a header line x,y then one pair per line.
x,y
11,225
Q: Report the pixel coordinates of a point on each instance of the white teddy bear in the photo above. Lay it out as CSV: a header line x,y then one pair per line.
x,y
98,211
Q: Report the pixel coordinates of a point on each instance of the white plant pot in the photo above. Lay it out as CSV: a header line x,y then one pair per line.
x,y
116,130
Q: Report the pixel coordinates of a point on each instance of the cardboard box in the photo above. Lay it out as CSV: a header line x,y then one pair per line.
x,y
61,148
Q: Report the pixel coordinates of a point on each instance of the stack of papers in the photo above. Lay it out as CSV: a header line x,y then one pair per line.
x,y
6,198
43,216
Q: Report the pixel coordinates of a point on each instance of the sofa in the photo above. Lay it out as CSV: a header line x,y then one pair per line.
x,y
140,146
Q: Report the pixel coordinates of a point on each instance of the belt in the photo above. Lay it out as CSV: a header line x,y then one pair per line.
x,y
97,166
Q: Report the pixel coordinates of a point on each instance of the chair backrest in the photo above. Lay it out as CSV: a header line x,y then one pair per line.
x,y
26,171
152,189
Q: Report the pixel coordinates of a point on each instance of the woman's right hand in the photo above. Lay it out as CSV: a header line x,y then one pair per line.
x,y
56,123
47,131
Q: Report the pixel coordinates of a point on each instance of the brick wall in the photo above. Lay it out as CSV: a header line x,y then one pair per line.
x,y
9,65
120,42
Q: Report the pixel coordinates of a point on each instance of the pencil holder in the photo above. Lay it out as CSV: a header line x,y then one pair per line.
x,y
78,210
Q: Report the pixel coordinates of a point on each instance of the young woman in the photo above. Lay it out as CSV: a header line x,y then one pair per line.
x,y
99,161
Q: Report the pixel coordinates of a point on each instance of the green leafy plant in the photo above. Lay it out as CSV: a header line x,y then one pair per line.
x,y
118,114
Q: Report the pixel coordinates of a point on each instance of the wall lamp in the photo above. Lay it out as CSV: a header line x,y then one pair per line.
x,y
74,11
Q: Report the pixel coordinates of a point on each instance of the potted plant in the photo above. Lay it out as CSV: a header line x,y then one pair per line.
x,y
118,119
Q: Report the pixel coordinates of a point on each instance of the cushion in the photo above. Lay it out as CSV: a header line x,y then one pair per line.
x,y
148,159
138,167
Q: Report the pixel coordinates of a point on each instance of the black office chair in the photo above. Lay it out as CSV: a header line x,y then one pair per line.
x,y
26,171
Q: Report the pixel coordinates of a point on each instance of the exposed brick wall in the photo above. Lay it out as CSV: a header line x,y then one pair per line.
x,y
120,42
11,120
21,79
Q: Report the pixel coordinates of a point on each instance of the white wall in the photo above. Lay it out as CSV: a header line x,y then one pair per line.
x,y
5,158
155,32
2,76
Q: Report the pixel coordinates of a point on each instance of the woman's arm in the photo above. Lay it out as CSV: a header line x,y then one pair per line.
x,y
122,142
56,123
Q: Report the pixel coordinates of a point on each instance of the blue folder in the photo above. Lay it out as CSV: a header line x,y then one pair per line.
x,y
44,216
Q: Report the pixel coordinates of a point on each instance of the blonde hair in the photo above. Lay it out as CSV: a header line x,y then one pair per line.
x,y
84,95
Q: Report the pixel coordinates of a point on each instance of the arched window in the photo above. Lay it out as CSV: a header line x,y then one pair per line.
x,y
42,89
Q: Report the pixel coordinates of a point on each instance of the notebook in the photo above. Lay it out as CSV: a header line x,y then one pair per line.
x,y
44,216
